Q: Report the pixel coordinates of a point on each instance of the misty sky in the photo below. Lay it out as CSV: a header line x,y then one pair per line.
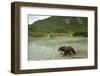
x,y
32,18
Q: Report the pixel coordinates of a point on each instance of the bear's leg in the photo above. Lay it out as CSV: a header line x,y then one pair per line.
x,y
69,53
73,51
65,53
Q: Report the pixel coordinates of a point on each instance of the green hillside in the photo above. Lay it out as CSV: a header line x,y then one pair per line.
x,y
58,26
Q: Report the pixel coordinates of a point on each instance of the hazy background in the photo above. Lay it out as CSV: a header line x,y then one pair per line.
x,y
33,18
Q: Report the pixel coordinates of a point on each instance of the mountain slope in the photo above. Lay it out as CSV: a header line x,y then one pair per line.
x,y
59,24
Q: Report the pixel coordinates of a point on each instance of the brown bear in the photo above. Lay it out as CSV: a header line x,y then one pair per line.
x,y
67,50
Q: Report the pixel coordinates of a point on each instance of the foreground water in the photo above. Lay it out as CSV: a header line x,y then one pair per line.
x,y
47,48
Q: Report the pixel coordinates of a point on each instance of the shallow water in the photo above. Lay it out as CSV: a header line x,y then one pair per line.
x,y
47,48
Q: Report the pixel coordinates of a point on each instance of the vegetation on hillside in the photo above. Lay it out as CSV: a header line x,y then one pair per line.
x,y
59,26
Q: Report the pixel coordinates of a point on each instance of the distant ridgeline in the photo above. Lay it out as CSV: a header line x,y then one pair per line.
x,y
59,26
